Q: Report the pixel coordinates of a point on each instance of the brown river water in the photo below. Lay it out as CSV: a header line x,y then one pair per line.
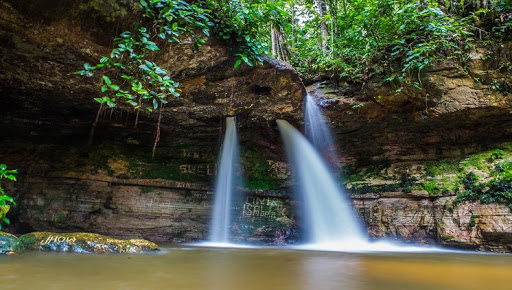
x,y
183,267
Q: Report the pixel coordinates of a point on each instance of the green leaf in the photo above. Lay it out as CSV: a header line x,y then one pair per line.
x,y
238,62
107,80
126,34
104,89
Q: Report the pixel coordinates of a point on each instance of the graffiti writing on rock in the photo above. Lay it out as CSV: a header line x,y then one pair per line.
x,y
58,239
195,153
278,169
262,207
208,169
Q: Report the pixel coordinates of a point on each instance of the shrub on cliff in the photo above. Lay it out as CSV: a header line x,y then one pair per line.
x,y
4,198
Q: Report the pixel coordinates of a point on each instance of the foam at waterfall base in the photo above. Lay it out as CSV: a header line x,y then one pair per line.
x,y
362,246
223,245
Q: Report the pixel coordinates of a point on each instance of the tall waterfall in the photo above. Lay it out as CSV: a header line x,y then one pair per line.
x,y
225,185
328,216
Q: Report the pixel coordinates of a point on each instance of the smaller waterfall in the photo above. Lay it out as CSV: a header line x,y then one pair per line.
x,y
328,215
318,133
225,185
316,128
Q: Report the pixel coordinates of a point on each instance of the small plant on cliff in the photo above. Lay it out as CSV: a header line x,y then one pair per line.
x,y
130,74
4,198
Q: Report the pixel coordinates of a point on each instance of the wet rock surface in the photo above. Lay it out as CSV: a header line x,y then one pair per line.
x,y
9,244
84,243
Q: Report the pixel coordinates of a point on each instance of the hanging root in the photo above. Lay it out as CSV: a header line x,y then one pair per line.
x,y
91,133
157,137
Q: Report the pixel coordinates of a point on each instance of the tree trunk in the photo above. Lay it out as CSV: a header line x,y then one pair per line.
x,y
273,37
323,25
293,24
279,50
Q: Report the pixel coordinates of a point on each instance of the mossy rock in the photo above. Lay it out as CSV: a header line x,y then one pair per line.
x,y
9,244
84,243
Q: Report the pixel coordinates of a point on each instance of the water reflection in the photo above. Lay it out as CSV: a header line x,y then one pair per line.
x,y
250,269
332,272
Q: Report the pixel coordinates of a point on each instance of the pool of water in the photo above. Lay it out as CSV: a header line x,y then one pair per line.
x,y
187,267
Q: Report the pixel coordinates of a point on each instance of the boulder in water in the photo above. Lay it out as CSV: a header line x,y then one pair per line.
x,y
9,244
84,243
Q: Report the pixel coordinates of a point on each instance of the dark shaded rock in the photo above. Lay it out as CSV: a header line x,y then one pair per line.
x,y
9,244
84,243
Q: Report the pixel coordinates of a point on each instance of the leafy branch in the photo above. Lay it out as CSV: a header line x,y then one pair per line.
x,y
4,198
130,73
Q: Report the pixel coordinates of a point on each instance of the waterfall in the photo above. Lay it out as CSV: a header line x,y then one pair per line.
x,y
316,130
225,185
328,215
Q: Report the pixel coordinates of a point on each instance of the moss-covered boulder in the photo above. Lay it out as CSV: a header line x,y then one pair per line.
x,y
84,243
9,244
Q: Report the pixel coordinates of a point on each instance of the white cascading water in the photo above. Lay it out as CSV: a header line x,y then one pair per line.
x,y
317,131
328,216
225,185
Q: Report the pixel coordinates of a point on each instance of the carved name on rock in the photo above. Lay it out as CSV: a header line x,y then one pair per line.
x,y
84,243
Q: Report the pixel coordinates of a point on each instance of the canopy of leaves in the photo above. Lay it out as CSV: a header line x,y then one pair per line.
x,y
365,37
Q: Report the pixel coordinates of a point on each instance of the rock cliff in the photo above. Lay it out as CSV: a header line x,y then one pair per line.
x,y
114,187
400,149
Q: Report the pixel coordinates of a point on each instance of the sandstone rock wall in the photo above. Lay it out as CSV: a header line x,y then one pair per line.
x,y
424,220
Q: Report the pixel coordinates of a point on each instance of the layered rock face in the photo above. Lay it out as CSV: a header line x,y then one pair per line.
x,y
424,220
114,187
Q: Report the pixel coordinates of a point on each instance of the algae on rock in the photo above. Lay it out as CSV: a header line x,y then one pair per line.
x,y
9,244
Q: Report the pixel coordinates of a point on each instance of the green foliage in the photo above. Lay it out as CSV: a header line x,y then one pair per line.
x,y
407,182
373,36
441,167
496,188
431,186
4,198
130,72
244,26
472,220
